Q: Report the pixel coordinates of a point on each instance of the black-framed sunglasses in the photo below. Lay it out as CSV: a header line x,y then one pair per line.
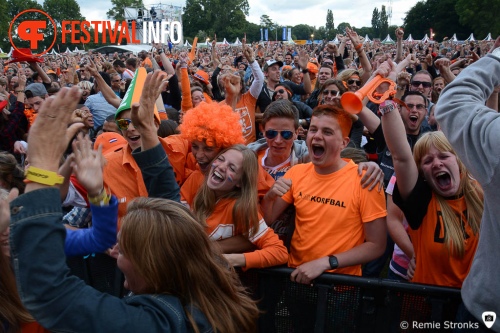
x,y
123,123
357,82
417,84
334,93
272,134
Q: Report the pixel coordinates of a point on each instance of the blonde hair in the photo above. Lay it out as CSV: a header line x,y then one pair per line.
x,y
85,85
473,193
170,250
245,210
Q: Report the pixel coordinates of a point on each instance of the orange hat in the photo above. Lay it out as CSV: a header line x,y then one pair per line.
x,y
50,71
202,76
313,68
286,68
110,141
20,55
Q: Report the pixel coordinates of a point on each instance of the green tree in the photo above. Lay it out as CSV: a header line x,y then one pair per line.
x,y
383,23
329,26
14,7
4,26
302,31
320,33
67,11
440,15
117,12
480,15
341,27
225,18
266,22
376,23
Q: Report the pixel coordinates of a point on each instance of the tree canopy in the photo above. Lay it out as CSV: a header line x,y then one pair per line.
x,y
117,12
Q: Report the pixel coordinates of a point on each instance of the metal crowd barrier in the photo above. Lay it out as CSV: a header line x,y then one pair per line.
x,y
334,303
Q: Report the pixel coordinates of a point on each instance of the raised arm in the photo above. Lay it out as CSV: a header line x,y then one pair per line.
x,y
106,90
395,138
472,128
363,59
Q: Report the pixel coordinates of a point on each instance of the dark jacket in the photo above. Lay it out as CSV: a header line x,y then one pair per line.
x,y
64,303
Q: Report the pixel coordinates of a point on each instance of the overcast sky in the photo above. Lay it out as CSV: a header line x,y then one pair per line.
x,y
286,12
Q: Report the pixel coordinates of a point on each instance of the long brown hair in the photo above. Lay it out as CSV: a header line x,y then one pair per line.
x,y
245,209
472,192
171,251
12,310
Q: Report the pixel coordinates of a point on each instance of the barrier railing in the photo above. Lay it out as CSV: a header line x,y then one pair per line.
x,y
334,303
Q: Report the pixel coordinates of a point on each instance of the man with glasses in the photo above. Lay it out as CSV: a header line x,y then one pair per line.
x,y
422,82
413,110
115,83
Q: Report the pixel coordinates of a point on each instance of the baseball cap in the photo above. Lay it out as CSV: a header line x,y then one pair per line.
x,y
271,62
110,142
35,89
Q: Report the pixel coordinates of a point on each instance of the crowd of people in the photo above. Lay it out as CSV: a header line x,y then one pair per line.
x,y
183,164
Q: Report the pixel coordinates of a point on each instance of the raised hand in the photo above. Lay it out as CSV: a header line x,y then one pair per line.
x,y
87,165
303,59
142,113
50,135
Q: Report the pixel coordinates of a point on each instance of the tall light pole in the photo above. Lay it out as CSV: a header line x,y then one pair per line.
x,y
312,39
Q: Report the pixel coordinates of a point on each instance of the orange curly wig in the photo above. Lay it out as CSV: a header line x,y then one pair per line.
x,y
218,125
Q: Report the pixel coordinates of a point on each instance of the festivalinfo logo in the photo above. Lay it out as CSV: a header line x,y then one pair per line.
x,y
25,28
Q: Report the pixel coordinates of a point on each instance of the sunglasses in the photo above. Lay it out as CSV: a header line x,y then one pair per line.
x,y
416,84
280,91
334,93
271,134
412,106
116,81
357,82
123,123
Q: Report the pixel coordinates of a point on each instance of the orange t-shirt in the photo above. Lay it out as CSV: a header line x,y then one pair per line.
x,y
435,264
124,178
147,63
277,171
330,213
246,108
271,251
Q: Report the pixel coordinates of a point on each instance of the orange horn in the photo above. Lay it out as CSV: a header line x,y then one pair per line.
x,y
352,102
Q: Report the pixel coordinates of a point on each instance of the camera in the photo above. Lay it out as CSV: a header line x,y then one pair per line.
x,y
488,318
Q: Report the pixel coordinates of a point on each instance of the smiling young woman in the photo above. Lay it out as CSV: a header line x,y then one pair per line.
x,y
228,203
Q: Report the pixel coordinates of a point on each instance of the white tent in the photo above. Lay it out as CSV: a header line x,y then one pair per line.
x,y
454,39
488,38
471,38
426,39
53,51
76,50
237,42
67,50
336,40
367,39
388,40
10,52
225,42
186,44
409,39
1,51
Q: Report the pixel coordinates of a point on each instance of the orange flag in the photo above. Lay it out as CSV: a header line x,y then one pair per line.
x,y
193,50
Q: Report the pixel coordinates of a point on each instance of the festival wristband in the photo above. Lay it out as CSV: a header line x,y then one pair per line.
x,y
386,107
102,199
40,176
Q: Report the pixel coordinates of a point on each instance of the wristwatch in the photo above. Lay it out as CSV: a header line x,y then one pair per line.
x,y
334,263
305,70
